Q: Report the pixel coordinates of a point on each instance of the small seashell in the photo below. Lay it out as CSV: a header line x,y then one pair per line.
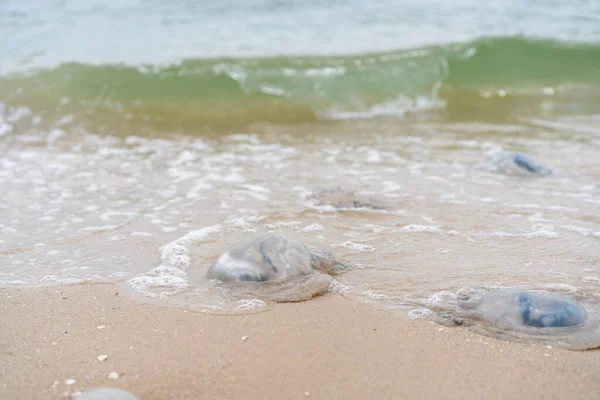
x,y
70,382
113,376
102,357
244,338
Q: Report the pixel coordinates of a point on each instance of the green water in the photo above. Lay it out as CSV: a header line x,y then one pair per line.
x,y
504,73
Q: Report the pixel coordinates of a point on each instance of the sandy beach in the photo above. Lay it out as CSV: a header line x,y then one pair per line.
x,y
326,348
170,170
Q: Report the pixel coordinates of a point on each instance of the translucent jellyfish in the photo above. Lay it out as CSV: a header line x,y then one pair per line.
x,y
530,316
337,197
277,268
516,164
505,308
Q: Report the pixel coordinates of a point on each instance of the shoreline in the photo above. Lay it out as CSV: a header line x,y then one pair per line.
x,y
326,348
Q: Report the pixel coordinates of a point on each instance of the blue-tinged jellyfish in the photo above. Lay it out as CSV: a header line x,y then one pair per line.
x,y
278,268
521,315
511,307
515,163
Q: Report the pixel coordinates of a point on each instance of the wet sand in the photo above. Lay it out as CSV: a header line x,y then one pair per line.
x,y
326,348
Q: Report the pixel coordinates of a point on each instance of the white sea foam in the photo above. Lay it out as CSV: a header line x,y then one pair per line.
x,y
99,228
579,229
312,228
414,228
419,313
561,287
169,277
336,286
250,305
117,237
160,282
64,280
144,234
326,72
543,231
591,279
373,294
282,224
365,248
397,107
441,298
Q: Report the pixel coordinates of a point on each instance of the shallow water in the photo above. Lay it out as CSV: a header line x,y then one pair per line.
x,y
143,164
81,207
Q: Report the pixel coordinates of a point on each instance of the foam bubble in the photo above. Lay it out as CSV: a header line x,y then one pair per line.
x,y
373,294
591,279
63,281
336,286
364,248
312,228
581,230
160,282
99,228
169,278
545,231
441,298
419,313
412,228
396,107
13,282
250,305
117,237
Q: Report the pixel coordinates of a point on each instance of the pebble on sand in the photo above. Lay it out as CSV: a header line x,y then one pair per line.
x,y
113,376
102,357
106,393
70,382
244,338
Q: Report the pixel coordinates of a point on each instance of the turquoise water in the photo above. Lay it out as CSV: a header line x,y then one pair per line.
x,y
47,33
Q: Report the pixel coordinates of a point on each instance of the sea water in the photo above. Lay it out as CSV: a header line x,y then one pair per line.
x,y
139,140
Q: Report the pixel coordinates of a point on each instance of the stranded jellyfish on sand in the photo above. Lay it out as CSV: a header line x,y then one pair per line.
x,y
513,308
515,163
278,268
529,316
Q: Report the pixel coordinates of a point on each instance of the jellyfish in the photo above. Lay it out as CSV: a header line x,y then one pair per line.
x,y
287,269
516,164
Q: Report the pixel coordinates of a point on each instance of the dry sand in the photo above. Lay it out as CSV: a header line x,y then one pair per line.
x,y
326,348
